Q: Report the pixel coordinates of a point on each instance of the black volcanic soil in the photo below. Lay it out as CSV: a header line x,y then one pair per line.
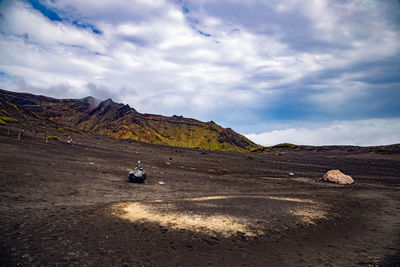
x,y
58,205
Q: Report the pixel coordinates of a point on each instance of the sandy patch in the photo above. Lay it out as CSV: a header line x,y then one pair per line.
x,y
310,215
231,197
227,225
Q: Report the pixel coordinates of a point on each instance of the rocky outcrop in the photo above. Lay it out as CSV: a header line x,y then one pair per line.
x,y
336,176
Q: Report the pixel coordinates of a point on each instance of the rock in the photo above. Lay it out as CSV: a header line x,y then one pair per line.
x,y
138,175
291,174
336,176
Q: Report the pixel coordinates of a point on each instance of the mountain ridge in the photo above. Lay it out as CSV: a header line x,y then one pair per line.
x,y
121,121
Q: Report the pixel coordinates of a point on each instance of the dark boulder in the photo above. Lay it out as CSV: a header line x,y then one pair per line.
x,y
138,175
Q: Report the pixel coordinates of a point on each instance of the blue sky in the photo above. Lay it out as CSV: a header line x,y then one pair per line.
x,y
300,71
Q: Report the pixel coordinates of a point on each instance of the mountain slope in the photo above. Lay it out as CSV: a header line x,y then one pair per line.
x,y
122,121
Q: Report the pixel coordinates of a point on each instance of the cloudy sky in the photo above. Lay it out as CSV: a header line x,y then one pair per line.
x,y
300,71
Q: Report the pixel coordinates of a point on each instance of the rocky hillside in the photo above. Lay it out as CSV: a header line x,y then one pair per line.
x,y
118,120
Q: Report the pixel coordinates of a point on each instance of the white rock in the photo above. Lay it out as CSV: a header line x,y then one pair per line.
x,y
336,176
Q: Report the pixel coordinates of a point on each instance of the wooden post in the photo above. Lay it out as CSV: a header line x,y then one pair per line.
x,y
8,132
47,139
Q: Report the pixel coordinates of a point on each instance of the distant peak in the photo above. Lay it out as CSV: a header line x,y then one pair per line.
x,y
88,98
107,102
92,102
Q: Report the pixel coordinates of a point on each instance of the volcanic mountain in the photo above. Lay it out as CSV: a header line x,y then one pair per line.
x,y
119,121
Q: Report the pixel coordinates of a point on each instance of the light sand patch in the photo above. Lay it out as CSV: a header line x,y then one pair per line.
x,y
294,200
227,225
240,196
310,215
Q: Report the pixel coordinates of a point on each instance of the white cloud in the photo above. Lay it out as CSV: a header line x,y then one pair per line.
x,y
174,57
363,133
159,59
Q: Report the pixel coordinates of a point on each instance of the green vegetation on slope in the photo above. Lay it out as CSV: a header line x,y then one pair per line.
x,y
121,121
8,119
199,135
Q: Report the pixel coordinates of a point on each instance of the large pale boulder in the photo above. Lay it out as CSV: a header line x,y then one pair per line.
x,y
336,176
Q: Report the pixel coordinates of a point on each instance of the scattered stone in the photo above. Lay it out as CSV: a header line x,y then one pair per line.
x,y
336,176
161,183
138,175
291,174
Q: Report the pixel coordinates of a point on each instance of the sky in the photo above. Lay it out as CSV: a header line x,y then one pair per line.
x,y
313,72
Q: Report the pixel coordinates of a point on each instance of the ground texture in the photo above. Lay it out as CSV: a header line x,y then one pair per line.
x,y
71,204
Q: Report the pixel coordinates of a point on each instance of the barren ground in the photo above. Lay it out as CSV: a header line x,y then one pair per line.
x,y
71,204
